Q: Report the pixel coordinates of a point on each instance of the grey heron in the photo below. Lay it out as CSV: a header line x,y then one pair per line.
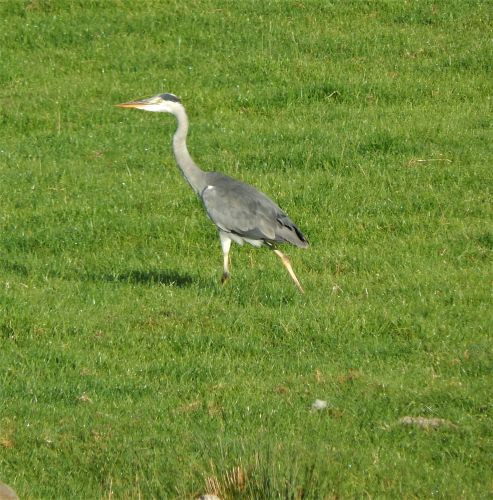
x,y
240,212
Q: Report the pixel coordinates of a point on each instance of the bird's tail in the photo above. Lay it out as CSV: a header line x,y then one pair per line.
x,y
289,232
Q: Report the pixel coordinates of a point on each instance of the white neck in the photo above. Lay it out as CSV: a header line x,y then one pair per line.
x,y
192,173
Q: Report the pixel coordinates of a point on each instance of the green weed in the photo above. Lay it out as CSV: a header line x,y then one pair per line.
x,y
126,370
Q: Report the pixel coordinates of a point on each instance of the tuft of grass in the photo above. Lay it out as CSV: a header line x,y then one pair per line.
x,y
126,370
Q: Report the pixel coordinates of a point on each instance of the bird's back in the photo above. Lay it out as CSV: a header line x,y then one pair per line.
x,y
238,208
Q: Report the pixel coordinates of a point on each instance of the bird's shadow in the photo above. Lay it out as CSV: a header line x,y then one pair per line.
x,y
151,277
167,277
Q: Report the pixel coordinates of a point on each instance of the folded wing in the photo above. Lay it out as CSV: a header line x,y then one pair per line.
x,y
238,208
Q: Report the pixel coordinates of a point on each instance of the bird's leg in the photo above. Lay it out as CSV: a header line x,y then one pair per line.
x,y
287,264
226,275
225,245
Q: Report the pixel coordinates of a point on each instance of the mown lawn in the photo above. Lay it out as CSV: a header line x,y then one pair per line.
x,y
127,370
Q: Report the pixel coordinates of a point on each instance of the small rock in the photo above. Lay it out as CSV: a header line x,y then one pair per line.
x,y
319,404
426,423
84,398
7,493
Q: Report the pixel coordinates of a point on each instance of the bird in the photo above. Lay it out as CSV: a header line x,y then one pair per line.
x,y
241,213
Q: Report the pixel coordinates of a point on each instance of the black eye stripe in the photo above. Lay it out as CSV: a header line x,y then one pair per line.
x,y
169,97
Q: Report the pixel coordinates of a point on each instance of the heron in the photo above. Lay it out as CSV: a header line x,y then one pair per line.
x,y
241,213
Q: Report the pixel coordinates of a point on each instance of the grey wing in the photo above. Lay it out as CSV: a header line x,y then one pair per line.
x,y
240,209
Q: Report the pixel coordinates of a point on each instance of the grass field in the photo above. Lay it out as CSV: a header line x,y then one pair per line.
x,y
127,370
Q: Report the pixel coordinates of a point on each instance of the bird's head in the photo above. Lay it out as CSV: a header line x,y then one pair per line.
x,y
162,103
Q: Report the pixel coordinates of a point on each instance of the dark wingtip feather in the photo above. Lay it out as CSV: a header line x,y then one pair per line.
x,y
290,233
301,236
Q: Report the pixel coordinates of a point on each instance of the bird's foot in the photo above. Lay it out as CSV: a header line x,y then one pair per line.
x,y
225,277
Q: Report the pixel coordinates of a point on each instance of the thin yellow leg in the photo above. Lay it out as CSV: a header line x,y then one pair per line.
x,y
226,275
287,264
225,245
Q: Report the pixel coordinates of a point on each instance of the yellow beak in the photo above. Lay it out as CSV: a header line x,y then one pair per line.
x,y
133,104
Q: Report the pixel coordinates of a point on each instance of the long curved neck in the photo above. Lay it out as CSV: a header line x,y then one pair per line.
x,y
192,173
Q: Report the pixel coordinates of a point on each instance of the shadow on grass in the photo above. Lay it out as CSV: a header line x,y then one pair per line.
x,y
14,267
153,277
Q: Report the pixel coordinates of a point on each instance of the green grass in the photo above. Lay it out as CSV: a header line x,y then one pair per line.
x,y
126,370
